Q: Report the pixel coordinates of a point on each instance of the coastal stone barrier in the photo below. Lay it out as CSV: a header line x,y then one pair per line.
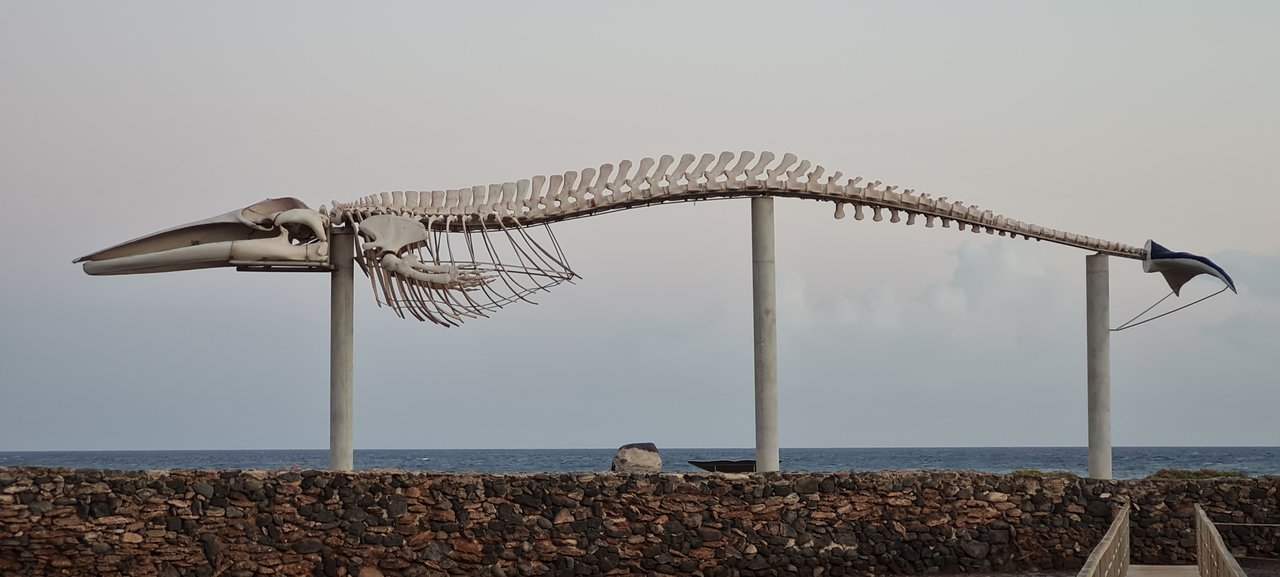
x,y
366,524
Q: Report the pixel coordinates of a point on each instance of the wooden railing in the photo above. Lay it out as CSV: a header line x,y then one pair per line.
x,y
1213,559
1111,557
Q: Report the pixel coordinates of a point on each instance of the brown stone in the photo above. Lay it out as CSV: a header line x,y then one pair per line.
x,y
131,538
113,520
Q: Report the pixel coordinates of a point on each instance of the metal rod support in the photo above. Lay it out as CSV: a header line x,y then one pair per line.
x,y
341,356
1098,350
765,330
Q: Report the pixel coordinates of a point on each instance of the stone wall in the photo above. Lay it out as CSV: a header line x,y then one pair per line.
x,y
206,523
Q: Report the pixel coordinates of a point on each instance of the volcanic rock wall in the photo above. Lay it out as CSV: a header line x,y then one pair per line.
x,y
206,523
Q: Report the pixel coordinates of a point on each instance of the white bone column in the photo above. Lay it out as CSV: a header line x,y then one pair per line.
x,y
1098,347
764,299
341,356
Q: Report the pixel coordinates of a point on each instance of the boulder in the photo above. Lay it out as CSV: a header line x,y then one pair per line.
x,y
637,458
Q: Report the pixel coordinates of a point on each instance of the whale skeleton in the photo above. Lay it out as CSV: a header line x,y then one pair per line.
x,y
445,256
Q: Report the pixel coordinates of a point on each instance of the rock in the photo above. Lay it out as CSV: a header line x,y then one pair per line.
x,y
131,538
637,458
976,549
306,546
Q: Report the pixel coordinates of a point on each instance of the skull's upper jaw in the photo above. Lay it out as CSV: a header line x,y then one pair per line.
x,y
275,232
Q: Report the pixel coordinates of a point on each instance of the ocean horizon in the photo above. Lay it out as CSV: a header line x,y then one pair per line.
x,y
1128,462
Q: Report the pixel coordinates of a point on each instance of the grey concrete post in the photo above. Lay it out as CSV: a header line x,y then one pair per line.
x,y
341,355
1098,349
765,328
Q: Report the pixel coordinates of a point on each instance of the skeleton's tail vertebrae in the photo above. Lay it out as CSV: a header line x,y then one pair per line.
x,y
484,231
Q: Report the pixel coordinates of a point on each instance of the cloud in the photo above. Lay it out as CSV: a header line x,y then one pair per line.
x,y
995,285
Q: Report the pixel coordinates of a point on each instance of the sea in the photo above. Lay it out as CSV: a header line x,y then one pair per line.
x,y
1127,462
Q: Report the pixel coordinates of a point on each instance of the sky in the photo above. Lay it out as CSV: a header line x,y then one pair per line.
x,y
1124,121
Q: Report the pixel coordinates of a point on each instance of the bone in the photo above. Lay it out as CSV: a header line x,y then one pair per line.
x,y
813,180
553,198
579,193
534,201
851,188
638,180
519,203
874,192
390,234
602,182
504,205
699,173
403,268
493,200
775,174
718,171
793,176
658,179
736,176
681,173
753,173
619,181
464,202
554,185
891,196
485,199
566,191
451,199
316,221
656,187
832,186
476,199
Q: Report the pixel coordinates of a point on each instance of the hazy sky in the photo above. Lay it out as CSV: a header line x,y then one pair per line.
x,y
1125,121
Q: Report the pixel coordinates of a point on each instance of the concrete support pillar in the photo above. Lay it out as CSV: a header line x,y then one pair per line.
x,y
764,298
341,355
1098,346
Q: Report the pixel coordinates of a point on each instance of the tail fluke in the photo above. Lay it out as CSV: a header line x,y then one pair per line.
x,y
1180,267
